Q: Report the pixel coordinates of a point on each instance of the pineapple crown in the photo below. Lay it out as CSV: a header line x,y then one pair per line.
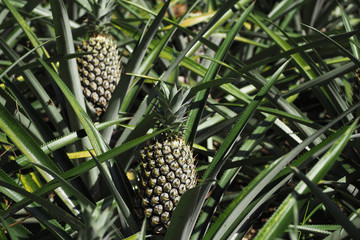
x,y
172,107
100,14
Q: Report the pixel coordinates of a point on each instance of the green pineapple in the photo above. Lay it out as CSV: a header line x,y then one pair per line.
x,y
99,71
167,167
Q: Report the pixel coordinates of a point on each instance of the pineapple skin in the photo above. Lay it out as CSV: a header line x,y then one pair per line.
x,y
167,171
99,71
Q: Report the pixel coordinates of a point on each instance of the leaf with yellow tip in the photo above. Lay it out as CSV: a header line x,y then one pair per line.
x,y
80,154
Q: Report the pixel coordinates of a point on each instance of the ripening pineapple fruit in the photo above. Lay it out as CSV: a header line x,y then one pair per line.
x,y
99,70
167,167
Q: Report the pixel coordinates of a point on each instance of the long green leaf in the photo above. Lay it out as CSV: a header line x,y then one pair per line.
x,y
234,134
354,42
27,29
29,147
186,212
123,208
68,67
95,138
84,167
284,214
195,114
66,140
330,206
62,214
133,65
251,190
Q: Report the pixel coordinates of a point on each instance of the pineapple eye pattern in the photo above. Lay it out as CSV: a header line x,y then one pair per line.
x,y
160,199
99,71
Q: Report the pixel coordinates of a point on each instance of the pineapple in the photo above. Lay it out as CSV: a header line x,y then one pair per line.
x,y
100,70
167,168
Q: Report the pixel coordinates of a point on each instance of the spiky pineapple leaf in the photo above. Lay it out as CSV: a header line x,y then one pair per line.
x,y
234,134
317,229
84,167
12,232
187,210
95,138
133,65
124,210
195,114
354,42
330,206
61,213
41,51
39,213
280,220
68,139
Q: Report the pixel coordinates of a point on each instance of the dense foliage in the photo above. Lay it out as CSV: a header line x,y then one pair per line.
x,y
272,121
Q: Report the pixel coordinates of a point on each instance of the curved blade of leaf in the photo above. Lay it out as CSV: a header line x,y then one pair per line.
x,y
200,99
330,206
225,148
123,208
29,147
132,66
95,138
11,231
184,218
71,220
82,168
27,29
280,220
68,139
354,42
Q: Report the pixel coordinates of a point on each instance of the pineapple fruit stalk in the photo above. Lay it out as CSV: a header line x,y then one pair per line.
x,y
100,69
167,168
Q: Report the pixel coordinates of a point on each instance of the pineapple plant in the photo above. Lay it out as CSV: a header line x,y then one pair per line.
x,y
250,152
99,70
98,223
167,168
